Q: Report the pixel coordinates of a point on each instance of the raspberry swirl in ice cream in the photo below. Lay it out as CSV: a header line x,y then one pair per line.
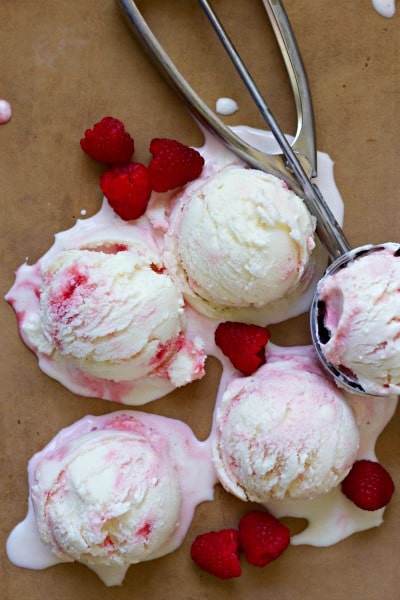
x,y
103,315
359,308
111,491
284,432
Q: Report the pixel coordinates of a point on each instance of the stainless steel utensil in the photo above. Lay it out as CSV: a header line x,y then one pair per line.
x,y
297,163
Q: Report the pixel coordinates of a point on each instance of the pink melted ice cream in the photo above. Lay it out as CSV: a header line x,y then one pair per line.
x,y
111,491
105,310
105,317
362,320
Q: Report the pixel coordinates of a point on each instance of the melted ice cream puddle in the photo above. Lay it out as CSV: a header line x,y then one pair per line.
x,y
189,459
331,517
106,229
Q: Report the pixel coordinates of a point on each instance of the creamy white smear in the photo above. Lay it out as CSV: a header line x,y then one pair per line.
x,y
386,8
226,106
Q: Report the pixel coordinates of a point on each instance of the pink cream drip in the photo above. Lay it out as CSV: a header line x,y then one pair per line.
x,y
5,112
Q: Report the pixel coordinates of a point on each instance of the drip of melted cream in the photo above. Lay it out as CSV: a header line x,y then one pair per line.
x,y
5,112
226,106
386,8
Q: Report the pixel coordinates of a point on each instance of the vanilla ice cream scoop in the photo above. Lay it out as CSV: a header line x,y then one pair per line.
x,y
110,491
108,312
117,316
286,432
358,331
104,317
109,497
242,239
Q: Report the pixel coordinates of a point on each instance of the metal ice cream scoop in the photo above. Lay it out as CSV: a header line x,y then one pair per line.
x,y
297,163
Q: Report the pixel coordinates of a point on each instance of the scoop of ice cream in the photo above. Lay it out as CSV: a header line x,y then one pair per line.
x,y
285,432
116,315
243,239
361,318
109,497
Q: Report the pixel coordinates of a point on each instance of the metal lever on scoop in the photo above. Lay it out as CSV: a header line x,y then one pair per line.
x,y
304,141
289,166
328,229
274,164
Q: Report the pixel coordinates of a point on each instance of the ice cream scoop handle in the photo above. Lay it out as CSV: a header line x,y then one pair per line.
x,y
274,164
328,229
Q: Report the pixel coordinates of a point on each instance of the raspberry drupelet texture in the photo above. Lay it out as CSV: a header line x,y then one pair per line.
x,y
108,142
368,485
217,552
127,189
173,164
243,344
262,537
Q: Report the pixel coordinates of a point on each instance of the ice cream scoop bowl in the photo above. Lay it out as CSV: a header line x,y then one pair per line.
x,y
355,317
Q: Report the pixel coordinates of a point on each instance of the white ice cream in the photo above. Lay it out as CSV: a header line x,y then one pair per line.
x,y
110,498
108,312
111,313
362,320
110,491
286,432
243,239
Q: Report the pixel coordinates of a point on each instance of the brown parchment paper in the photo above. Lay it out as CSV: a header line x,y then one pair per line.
x,y
66,64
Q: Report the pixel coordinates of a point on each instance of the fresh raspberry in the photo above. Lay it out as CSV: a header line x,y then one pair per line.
x,y
368,485
173,164
108,142
218,553
243,344
127,189
262,537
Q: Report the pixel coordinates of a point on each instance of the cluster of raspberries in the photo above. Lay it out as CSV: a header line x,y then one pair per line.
x,y
262,538
127,185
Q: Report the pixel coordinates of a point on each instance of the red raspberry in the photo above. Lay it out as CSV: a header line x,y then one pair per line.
x,y
127,189
262,537
108,142
173,164
368,485
243,344
218,553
